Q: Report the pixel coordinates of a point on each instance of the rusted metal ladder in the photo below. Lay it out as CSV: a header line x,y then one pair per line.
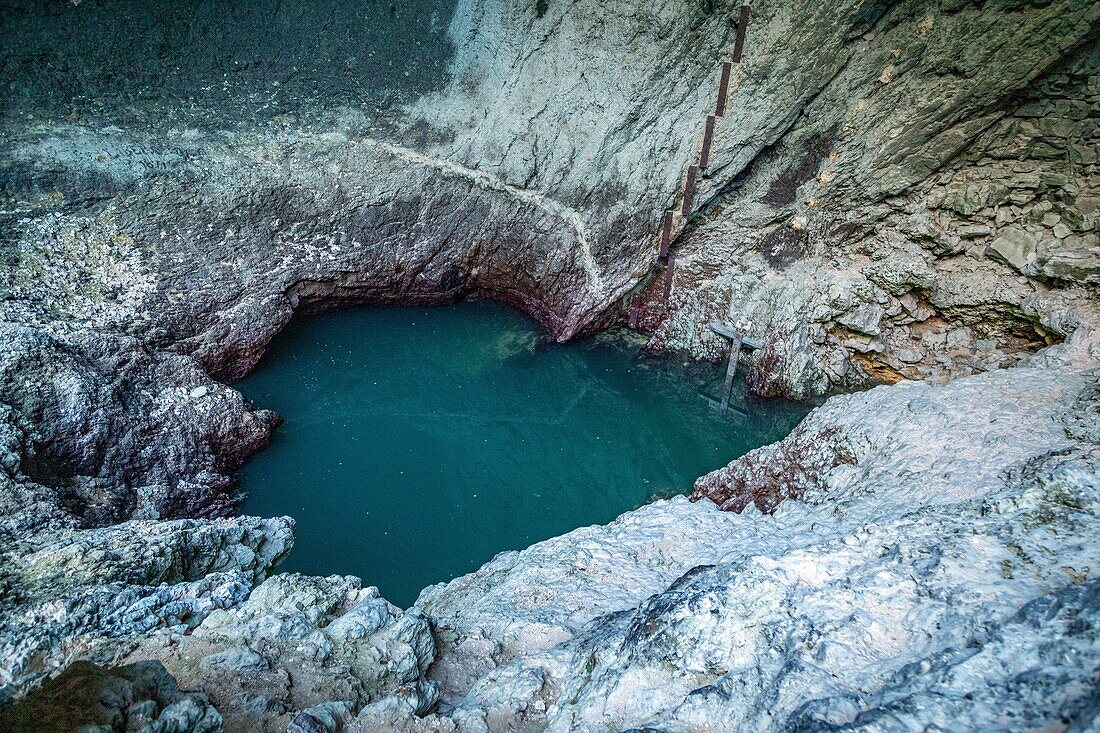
x,y
672,221
738,340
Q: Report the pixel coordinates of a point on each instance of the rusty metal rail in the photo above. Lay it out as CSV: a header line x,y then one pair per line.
x,y
673,217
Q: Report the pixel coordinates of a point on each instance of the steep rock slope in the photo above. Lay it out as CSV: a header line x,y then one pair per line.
x,y
884,178
204,239
151,212
911,194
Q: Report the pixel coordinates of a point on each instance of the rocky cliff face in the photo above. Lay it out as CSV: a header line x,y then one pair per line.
x,y
908,194
890,180
897,191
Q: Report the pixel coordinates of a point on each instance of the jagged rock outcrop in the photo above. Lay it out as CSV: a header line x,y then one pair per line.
x,y
68,593
137,698
119,430
909,192
206,242
307,652
830,454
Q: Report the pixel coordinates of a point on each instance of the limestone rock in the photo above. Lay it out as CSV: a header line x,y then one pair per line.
x,y
136,698
926,588
899,274
158,227
303,653
112,425
1014,247
1076,260
864,320
911,205
125,581
238,659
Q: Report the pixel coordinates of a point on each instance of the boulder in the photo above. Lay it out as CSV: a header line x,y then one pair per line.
x,y
1014,247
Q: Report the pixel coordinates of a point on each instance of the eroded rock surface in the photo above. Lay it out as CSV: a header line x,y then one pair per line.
x,y
137,698
162,223
64,592
304,651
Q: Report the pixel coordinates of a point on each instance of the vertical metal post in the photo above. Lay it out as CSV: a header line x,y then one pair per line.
x,y
670,266
723,88
708,139
739,42
689,189
666,234
731,370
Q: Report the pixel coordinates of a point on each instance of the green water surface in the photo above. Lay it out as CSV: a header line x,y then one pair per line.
x,y
420,442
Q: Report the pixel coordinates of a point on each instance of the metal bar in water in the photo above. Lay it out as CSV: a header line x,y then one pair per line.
x,y
720,406
739,42
708,140
731,370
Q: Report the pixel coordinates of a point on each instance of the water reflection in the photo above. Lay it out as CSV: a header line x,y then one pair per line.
x,y
420,442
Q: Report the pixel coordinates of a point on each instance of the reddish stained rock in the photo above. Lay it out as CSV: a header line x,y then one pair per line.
x,y
784,470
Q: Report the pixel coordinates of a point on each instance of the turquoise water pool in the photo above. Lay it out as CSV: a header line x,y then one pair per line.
x,y
419,442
